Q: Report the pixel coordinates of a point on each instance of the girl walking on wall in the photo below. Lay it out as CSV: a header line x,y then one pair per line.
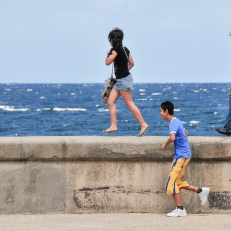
x,y
121,57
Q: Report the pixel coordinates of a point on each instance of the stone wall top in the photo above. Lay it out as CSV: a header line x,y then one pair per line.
x,y
64,148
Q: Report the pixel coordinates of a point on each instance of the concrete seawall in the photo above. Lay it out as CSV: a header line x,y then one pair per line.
x,y
107,174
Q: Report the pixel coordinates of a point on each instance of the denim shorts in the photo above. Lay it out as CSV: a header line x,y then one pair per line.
x,y
124,83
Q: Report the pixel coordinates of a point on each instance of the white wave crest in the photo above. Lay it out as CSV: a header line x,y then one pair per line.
x,y
102,109
12,108
177,109
2,107
68,109
156,93
195,122
142,90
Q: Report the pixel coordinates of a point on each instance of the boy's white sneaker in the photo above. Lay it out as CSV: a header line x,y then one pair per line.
x,y
177,213
204,195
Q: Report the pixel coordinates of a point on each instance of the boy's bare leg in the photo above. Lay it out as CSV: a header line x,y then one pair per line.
x,y
177,199
191,188
176,196
179,211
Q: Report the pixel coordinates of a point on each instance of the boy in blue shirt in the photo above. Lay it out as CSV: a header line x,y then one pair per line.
x,y
181,158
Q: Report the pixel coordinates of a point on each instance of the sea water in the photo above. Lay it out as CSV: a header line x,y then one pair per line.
x,y
77,110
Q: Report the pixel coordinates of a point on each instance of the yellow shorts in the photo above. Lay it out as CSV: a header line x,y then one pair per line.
x,y
174,183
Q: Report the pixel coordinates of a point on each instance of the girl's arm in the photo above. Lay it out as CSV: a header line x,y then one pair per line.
x,y
130,62
110,58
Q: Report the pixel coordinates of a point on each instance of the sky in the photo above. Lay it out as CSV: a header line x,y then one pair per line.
x,y
65,41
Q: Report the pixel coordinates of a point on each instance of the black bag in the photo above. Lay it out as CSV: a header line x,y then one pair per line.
x,y
108,85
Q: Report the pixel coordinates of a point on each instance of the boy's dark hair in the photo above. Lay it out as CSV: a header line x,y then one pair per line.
x,y
168,105
115,36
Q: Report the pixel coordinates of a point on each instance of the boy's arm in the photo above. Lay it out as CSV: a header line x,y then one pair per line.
x,y
169,141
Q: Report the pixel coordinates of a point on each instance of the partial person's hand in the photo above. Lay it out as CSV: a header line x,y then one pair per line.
x,y
186,132
163,147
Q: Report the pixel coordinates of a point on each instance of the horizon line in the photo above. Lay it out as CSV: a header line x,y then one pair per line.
x,y
133,83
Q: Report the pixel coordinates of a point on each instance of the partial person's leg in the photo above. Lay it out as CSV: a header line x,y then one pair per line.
x,y
227,125
127,96
226,130
114,95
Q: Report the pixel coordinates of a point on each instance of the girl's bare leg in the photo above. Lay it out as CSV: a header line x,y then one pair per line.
x,y
127,96
114,95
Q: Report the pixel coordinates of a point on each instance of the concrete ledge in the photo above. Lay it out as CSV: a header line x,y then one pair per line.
x,y
107,174
107,148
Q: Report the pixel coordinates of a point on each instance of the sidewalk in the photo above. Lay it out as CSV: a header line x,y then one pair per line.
x,y
115,222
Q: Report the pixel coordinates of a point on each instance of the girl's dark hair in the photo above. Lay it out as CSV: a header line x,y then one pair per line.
x,y
115,36
168,105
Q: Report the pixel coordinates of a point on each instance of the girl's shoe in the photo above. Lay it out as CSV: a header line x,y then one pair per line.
x,y
143,132
110,131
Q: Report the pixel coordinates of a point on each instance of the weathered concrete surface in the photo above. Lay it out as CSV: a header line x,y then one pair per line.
x,y
115,222
107,148
31,188
107,175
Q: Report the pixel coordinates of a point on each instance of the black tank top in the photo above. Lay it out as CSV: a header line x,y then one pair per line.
x,y
121,62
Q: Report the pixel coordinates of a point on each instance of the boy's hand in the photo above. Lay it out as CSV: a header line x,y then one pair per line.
x,y
169,141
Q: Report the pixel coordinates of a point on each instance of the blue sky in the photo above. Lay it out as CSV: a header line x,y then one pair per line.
x,y
54,41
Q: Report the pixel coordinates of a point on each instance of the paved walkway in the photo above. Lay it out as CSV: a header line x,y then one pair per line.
x,y
115,222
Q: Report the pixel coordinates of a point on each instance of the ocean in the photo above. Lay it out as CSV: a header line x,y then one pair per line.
x,y
77,110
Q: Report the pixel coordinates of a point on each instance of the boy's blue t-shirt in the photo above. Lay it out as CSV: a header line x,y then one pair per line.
x,y
182,148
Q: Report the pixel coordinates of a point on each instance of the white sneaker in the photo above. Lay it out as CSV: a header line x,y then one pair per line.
x,y
177,213
204,195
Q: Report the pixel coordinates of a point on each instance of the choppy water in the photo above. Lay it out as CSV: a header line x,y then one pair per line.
x,y
76,109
